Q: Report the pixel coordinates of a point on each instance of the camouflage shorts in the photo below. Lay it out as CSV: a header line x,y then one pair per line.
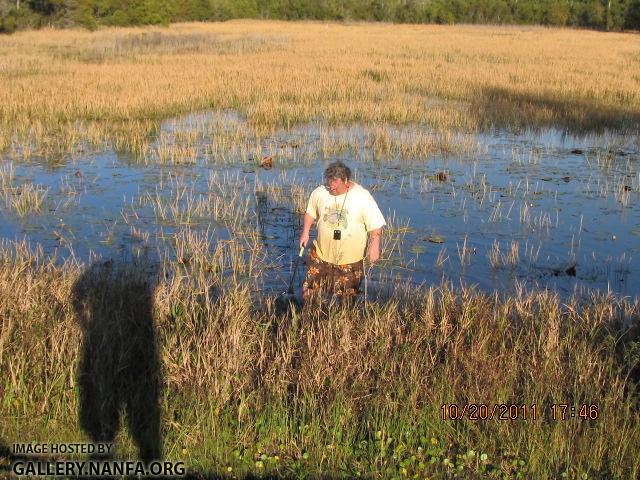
x,y
337,279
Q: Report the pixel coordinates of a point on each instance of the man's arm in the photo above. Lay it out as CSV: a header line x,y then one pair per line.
x,y
306,226
374,245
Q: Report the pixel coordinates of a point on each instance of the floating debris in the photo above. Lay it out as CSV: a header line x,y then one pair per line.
x,y
570,271
267,162
290,145
577,151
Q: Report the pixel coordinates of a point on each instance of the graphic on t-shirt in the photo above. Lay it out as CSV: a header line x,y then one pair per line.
x,y
335,217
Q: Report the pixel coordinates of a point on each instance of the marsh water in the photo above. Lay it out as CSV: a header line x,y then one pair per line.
x,y
526,209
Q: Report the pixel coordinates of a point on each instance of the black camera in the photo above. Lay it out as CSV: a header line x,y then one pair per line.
x,y
337,234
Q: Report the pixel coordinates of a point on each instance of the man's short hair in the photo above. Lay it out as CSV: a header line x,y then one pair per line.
x,y
337,170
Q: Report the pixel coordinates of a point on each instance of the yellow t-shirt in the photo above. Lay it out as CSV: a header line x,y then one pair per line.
x,y
354,213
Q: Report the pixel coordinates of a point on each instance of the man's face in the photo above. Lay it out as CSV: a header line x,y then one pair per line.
x,y
336,186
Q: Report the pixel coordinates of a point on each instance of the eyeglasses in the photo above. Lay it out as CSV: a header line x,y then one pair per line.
x,y
329,181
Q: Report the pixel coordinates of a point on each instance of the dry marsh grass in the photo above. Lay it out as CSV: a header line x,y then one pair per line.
x,y
349,391
61,89
23,199
355,390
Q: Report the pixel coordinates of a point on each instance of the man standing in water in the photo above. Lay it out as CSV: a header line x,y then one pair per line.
x,y
345,214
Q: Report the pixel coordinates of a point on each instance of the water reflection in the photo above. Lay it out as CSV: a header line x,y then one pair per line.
x,y
520,208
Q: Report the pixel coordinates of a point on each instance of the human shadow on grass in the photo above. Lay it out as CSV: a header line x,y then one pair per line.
x,y
119,371
503,107
5,458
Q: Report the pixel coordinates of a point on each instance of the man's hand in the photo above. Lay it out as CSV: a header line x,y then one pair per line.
x,y
306,226
304,239
374,245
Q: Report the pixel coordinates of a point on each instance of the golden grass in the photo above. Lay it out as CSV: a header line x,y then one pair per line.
x,y
23,199
64,88
228,360
235,375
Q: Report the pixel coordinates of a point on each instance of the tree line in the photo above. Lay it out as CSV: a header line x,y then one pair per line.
x,y
598,14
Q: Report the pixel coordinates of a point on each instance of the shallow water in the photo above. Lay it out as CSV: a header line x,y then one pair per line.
x,y
566,205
